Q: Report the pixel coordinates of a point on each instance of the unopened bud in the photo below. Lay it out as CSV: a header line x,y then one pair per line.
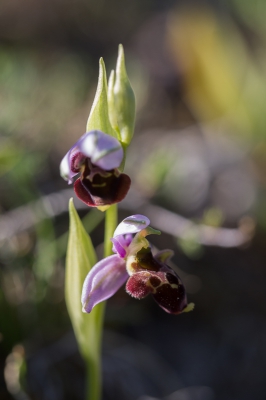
x,y
124,100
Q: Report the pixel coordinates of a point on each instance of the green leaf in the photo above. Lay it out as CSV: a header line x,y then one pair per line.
x,y
99,115
80,259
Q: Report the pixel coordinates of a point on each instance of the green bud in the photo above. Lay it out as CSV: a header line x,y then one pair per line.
x,y
111,102
99,115
123,99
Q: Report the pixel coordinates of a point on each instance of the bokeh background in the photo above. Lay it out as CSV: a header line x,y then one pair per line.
x,y
198,166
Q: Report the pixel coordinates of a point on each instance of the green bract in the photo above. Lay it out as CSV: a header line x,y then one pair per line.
x,y
99,115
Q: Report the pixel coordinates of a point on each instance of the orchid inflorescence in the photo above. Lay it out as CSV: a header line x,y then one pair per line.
x,y
99,157
134,263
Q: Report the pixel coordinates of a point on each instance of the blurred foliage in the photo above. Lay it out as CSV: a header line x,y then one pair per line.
x,y
38,92
251,14
189,243
36,105
224,77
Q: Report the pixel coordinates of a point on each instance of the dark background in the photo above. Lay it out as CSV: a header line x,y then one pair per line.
x,y
199,74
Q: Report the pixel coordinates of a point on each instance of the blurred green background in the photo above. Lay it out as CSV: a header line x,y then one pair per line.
x,y
198,169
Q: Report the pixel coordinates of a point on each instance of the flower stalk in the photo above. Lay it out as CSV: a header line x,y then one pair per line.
x,y
110,225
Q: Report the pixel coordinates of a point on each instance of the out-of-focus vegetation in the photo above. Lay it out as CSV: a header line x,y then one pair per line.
x,y
198,70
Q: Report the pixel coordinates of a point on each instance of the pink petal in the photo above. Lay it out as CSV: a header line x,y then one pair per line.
x,y
104,150
121,243
133,224
66,170
103,281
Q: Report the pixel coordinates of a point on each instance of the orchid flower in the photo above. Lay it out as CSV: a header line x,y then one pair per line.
x,y
96,156
134,264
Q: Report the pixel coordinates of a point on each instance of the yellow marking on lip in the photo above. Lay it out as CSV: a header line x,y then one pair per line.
x,y
154,289
98,184
174,285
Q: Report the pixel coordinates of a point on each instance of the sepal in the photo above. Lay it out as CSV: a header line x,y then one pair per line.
x,y
103,281
133,224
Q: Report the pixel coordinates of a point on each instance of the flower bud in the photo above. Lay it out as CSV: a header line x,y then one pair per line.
x,y
111,102
123,99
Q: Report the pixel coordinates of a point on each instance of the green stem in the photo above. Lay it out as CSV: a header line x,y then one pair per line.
x,y
94,376
110,225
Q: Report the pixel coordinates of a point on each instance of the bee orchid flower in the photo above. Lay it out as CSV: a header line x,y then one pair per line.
x,y
97,157
134,264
